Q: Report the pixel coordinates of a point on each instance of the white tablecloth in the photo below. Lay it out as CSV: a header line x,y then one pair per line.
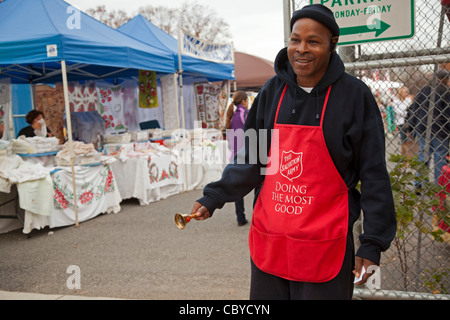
x,y
201,165
14,170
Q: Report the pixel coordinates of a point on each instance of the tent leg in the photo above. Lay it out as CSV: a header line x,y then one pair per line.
x,y
175,88
183,126
33,96
69,134
183,123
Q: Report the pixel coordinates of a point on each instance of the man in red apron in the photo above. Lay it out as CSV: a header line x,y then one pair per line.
x,y
327,136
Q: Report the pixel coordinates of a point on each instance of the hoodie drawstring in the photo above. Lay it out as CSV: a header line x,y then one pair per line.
x,y
317,105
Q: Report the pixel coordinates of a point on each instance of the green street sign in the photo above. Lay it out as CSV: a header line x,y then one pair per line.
x,y
363,21
378,27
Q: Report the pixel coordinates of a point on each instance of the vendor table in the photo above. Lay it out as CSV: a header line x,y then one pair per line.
x,y
11,216
156,176
148,177
97,193
203,164
96,190
49,200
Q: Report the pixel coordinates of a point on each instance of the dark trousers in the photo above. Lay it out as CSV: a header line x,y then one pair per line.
x,y
265,286
240,210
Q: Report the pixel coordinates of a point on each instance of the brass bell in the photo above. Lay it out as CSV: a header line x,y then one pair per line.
x,y
182,219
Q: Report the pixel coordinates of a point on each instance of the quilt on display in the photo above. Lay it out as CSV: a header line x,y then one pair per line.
x,y
211,103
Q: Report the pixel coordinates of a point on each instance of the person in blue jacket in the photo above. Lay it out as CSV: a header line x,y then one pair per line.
x,y
439,127
311,92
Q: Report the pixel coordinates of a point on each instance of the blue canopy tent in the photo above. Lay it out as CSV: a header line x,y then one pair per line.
x,y
46,41
38,34
142,29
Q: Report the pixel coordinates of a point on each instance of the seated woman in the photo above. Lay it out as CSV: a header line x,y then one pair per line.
x,y
37,125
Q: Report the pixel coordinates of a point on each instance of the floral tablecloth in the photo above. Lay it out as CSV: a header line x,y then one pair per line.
x,y
96,192
148,178
157,176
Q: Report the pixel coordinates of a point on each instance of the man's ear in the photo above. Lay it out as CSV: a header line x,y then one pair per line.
x,y
333,43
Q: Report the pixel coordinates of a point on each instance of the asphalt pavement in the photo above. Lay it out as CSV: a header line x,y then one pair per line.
x,y
138,253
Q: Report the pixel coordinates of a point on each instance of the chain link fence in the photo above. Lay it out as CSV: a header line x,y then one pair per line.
x,y
409,79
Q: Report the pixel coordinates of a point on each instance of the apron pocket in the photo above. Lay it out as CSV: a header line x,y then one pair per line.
x,y
294,259
315,260
268,252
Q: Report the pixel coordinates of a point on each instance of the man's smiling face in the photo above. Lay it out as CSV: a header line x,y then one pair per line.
x,y
309,51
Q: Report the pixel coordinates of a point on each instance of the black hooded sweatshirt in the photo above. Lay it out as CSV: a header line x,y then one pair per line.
x,y
354,135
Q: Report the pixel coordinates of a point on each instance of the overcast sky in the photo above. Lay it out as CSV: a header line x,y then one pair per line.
x,y
256,26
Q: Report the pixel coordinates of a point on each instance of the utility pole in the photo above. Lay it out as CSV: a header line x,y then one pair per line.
x,y
287,12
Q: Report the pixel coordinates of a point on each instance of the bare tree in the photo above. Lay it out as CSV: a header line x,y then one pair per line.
x,y
163,17
204,23
198,20
111,18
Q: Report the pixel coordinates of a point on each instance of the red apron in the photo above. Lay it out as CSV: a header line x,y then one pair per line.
x,y
300,219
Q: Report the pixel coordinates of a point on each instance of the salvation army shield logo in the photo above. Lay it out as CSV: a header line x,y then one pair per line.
x,y
291,166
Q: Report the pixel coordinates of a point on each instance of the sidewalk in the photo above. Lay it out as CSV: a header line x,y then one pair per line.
x,y
138,253
6,295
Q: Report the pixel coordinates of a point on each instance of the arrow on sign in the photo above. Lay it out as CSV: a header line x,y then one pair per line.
x,y
378,27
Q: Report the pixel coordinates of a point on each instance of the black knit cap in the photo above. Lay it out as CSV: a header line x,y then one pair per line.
x,y
319,13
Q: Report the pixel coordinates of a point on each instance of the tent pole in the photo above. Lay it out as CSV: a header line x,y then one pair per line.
x,y
33,96
180,72
69,134
175,89
175,77
183,125
8,133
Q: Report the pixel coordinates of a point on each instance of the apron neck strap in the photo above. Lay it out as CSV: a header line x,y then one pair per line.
x,y
279,103
323,109
325,106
